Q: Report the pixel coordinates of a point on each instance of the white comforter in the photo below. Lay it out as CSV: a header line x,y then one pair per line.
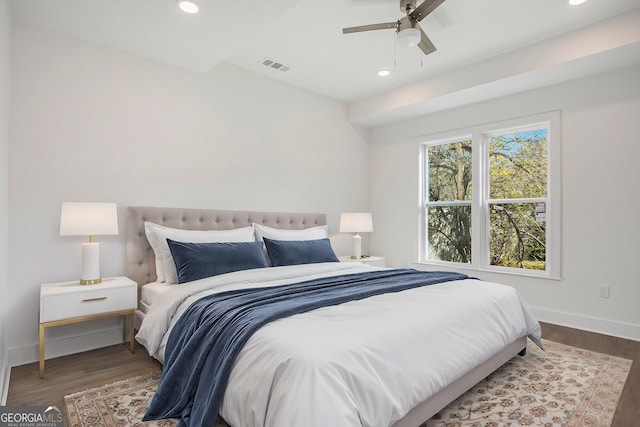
x,y
362,363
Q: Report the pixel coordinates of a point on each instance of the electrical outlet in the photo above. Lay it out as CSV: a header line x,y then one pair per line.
x,y
604,291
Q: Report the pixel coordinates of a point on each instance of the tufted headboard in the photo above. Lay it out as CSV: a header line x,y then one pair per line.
x,y
141,265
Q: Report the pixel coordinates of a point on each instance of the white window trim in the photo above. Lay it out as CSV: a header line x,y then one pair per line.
x,y
479,203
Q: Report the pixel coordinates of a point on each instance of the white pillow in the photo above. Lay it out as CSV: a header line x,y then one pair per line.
x,y
312,233
158,235
149,230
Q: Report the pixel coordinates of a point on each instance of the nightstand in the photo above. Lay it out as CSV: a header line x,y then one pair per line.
x,y
376,261
63,303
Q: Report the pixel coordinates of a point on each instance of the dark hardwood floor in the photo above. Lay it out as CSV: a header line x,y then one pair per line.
x,y
68,374
76,372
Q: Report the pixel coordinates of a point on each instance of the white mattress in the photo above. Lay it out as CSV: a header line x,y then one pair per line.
x,y
150,293
370,373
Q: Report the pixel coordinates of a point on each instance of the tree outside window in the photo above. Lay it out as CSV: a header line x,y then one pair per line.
x,y
449,201
486,199
517,199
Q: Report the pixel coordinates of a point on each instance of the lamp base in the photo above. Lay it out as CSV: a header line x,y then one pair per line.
x,y
90,264
356,253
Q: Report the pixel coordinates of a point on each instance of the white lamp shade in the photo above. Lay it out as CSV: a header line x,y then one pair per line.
x,y
88,219
356,222
409,37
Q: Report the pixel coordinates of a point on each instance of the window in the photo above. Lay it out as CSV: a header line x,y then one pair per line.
x,y
490,198
518,198
449,200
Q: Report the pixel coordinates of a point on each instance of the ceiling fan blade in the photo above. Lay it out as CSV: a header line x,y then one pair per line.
x,y
426,44
370,27
425,9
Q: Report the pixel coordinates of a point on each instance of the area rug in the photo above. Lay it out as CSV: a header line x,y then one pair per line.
x,y
564,386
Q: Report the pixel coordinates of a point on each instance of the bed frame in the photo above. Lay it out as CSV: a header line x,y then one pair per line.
x,y
141,269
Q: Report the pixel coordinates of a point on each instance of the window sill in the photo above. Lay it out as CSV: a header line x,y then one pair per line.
x,y
509,272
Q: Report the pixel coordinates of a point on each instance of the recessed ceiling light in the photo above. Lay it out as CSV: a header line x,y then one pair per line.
x,y
384,73
576,2
188,6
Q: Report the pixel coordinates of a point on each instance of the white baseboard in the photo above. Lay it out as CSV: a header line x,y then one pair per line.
x,y
592,324
5,375
64,346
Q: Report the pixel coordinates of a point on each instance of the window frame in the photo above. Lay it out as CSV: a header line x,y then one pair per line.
x,y
426,203
480,201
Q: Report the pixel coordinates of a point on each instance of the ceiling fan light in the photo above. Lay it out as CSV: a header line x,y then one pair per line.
x,y
409,37
188,6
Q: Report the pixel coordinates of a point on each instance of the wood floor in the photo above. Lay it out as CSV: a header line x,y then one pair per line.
x,y
76,372
68,374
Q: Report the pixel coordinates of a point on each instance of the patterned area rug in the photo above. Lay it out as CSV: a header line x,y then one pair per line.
x,y
564,386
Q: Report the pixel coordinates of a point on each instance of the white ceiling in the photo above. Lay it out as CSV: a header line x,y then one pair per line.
x,y
306,35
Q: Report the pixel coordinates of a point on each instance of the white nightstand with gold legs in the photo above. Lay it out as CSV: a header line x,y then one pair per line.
x,y
64,303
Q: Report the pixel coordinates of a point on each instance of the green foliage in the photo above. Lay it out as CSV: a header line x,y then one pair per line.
x,y
517,170
450,171
527,265
518,165
449,227
517,237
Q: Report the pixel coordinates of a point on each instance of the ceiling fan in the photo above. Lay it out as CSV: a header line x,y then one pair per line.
x,y
407,27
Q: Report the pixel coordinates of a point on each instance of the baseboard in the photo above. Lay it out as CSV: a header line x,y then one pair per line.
x,y
69,345
592,324
5,376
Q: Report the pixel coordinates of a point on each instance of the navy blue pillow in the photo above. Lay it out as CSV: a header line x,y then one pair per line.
x,y
293,252
199,260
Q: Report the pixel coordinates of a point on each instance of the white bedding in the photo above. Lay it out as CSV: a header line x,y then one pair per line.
x,y
362,363
150,293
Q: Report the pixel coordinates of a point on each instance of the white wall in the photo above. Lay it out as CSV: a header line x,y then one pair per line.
x,y
5,38
93,124
601,227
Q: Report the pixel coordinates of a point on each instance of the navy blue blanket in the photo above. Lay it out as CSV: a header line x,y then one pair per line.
x,y
206,340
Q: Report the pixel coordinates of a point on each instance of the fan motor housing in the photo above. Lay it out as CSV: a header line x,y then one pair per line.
x,y
407,6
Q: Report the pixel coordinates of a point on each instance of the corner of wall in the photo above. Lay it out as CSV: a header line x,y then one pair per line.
x,y
5,47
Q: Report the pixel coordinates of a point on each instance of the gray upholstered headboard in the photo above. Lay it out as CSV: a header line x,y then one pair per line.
x,y
141,265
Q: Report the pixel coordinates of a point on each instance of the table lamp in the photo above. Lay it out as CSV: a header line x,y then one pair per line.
x,y
89,219
356,222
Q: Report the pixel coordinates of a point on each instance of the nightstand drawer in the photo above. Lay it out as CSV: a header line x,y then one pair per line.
x,y
95,301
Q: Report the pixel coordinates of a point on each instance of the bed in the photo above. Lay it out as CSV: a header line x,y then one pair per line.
x,y
456,360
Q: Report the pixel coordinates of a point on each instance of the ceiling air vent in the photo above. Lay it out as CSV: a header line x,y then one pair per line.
x,y
275,65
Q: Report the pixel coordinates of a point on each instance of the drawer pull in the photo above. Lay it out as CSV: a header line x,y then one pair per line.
x,y
94,299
